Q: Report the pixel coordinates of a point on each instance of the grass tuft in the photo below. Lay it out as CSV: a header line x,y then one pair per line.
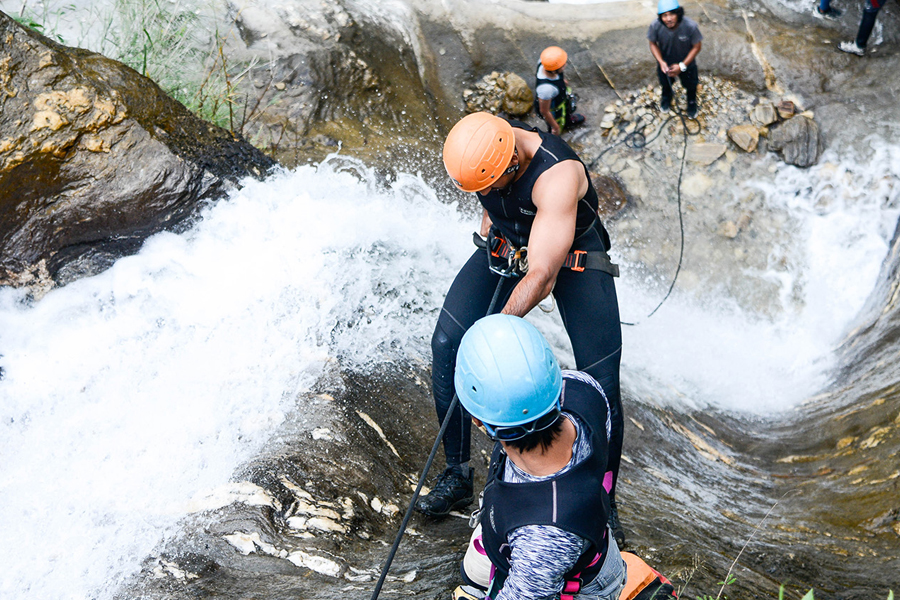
x,y
165,40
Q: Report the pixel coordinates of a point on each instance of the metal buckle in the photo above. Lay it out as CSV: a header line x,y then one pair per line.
x,y
578,254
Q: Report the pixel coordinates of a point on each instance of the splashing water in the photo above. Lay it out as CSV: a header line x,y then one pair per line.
x,y
842,212
129,393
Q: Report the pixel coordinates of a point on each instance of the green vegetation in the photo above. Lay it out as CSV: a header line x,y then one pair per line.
x,y
164,40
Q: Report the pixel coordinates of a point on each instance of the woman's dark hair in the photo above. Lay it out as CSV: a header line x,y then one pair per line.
x,y
543,438
679,12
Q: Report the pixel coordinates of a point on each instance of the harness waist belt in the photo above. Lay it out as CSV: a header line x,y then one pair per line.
x,y
578,261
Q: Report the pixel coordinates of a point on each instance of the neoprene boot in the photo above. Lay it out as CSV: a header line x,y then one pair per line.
x,y
614,525
452,491
692,110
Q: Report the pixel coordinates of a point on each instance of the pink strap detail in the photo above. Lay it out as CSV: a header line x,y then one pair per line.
x,y
573,586
608,481
479,546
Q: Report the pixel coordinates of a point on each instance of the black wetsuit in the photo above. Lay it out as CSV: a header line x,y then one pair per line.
x,y
586,300
558,103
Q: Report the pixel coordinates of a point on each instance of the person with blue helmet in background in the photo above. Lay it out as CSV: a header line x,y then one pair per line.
x,y
543,529
675,41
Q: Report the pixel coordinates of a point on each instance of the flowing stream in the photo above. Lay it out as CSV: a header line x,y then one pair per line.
x,y
126,395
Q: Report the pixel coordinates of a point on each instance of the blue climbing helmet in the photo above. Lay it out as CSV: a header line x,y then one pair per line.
x,y
506,373
665,6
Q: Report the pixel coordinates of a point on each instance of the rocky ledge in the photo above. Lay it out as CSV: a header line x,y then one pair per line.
x,y
94,157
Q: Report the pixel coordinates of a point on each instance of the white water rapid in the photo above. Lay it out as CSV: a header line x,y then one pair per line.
x,y
127,394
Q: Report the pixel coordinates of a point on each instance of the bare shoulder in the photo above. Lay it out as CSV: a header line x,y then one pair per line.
x,y
563,183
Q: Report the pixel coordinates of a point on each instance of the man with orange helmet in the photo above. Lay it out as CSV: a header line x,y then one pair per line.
x,y
543,236
554,99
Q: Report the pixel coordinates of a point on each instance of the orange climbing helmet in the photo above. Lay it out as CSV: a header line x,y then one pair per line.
x,y
478,150
554,58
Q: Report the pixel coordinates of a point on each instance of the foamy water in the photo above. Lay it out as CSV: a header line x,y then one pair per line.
x,y
127,394
842,212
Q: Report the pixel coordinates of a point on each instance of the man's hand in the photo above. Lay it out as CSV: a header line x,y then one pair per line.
x,y
555,194
553,126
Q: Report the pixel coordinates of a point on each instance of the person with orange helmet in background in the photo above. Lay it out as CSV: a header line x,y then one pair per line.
x,y
543,236
554,99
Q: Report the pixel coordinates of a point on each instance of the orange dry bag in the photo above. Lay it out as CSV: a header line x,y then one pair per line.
x,y
644,582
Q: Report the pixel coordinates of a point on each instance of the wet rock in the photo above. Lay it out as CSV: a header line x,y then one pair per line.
x,y
500,91
763,114
519,98
634,180
728,229
611,195
745,136
786,109
696,185
705,153
95,157
798,141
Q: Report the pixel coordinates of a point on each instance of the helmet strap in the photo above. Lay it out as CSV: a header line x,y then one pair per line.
x,y
512,168
509,170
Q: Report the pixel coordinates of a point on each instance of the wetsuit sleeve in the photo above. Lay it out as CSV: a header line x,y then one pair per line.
x,y
541,556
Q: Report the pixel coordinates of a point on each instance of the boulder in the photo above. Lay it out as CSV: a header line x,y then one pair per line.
x,y
786,109
519,98
705,153
611,195
798,141
745,136
500,91
94,158
763,114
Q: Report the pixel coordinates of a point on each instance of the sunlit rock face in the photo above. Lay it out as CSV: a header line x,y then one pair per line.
x,y
94,157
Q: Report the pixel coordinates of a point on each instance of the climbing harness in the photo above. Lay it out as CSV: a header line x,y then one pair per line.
x,y
517,258
503,259
574,583
638,141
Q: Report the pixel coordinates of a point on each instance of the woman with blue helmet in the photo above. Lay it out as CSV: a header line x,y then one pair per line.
x,y
543,521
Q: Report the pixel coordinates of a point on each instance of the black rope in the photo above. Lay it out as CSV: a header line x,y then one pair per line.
x,y
434,449
415,496
636,140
